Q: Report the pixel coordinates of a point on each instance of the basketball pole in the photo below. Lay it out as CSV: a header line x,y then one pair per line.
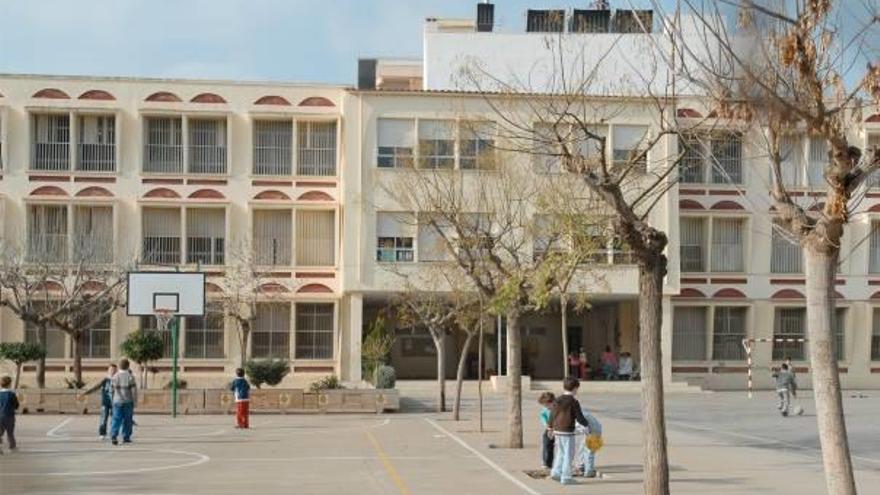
x,y
174,352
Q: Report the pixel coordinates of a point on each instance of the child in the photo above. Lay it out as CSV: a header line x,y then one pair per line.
x,y
124,399
8,406
609,363
785,384
565,413
106,400
574,364
592,442
546,400
625,369
241,389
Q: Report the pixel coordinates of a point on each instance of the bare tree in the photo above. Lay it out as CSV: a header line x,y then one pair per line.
x,y
241,288
788,71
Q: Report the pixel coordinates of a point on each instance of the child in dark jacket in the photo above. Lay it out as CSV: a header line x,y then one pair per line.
x,y
106,400
8,406
566,412
241,390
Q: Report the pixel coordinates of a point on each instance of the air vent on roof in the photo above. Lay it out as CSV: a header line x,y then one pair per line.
x,y
545,21
485,17
633,21
590,21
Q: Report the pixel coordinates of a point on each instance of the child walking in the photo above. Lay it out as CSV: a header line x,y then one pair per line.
x,y
547,445
565,413
241,389
785,386
8,406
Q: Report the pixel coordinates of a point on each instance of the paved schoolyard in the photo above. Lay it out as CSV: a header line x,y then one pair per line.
x,y
719,443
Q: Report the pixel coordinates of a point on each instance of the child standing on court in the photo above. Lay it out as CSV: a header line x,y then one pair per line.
x,y
565,413
8,406
106,400
586,458
547,445
241,389
124,398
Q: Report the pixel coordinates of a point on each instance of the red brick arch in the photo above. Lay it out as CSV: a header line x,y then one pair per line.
x,y
689,292
207,98
876,295
97,94
52,94
49,191
272,100
163,96
690,204
94,192
729,294
162,192
212,288
873,118
272,195
787,294
315,196
207,194
688,113
727,205
273,287
314,289
316,101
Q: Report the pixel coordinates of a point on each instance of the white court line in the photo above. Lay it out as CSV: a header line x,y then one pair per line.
x,y
199,459
496,467
342,458
53,431
766,440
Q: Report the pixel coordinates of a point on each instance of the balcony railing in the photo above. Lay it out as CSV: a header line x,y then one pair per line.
x,y
93,248
163,158
52,157
272,251
272,160
207,159
92,157
47,248
205,250
161,250
317,162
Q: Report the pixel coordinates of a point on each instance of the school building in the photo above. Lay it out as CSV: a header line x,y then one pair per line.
x,y
163,173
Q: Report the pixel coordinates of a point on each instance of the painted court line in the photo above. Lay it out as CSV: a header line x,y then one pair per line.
x,y
496,467
199,459
53,431
395,477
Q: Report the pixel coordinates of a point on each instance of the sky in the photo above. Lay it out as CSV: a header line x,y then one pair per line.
x,y
276,40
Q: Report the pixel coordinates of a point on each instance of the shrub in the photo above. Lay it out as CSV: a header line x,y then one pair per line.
x,y
74,384
181,384
19,353
326,383
386,377
376,347
268,371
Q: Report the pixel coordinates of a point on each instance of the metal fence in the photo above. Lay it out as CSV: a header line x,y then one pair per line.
x,y
316,143
314,331
161,236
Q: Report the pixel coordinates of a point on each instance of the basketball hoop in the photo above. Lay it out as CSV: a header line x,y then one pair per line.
x,y
163,318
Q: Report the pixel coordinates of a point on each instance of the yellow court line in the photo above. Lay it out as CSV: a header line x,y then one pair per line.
x,y
395,477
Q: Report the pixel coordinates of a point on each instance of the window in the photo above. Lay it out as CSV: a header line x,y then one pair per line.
x,y
436,144
693,244
691,168
271,334
874,247
204,336
55,340
315,239
316,143
790,323
689,333
314,331
273,144
207,146
728,332
875,336
95,341
161,236
546,157
395,237
93,233
96,147
272,237
47,233
415,343
432,244
396,138
163,145
839,333
818,160
792,154
477,236
727,245
149,323
477,146
726,158
629,143
51,142
787,255
205,235
872,140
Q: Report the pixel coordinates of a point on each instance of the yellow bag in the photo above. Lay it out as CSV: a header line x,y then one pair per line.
x,y
594,442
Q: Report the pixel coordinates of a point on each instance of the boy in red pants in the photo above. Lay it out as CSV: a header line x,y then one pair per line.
x,y
241,389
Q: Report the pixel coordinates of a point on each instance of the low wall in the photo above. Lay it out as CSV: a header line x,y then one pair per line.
x,y
219,401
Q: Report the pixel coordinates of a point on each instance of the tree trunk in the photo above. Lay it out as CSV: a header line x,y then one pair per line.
x,y
820,273
459,376
76,338
653,421
244,332
17,374
514,382
563,303
41,363
480,368
440,344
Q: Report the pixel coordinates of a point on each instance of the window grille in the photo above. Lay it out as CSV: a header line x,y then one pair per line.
x,y
874,248
818,161
95,341
47,233
163,145
396,143
790,323
839,329
317,148
315,239
692,244
689,333
787,255
55,340
207,146
726,158
875,336
314,331
729,330
727,245
792,155
206,235
271,334
51,142
873,141
273,145
93,233
161,236
204,336
96,148
273,237
691,169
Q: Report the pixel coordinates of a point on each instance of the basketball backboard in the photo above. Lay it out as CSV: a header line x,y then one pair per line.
x,y
181,293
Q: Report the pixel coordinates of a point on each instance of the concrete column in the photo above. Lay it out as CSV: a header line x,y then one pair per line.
x,y
355,335
666,339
